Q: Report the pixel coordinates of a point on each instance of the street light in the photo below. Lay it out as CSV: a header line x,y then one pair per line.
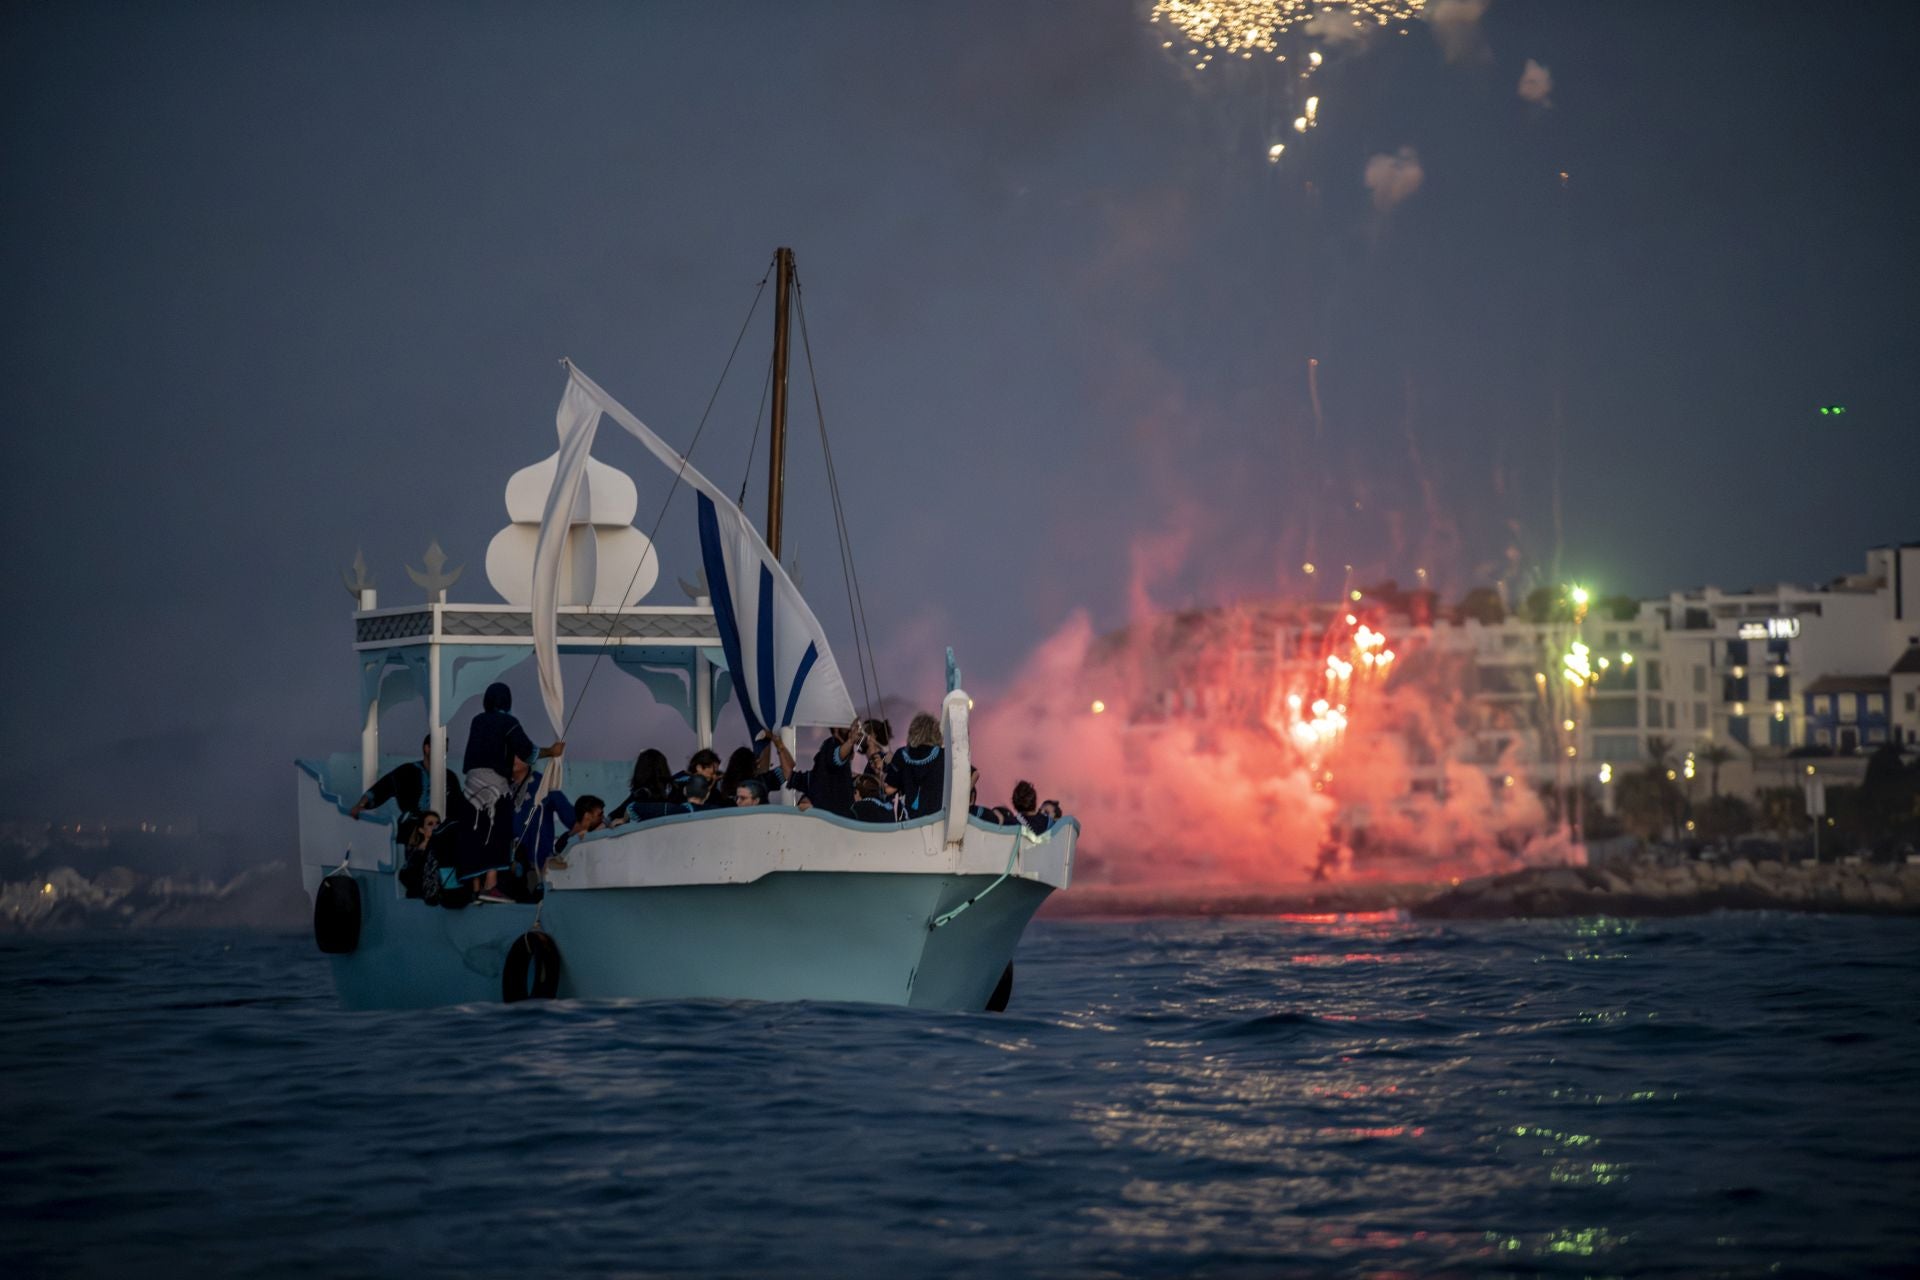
x,y
1816,808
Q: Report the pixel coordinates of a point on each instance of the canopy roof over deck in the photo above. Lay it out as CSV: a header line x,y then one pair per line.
x,y
672,649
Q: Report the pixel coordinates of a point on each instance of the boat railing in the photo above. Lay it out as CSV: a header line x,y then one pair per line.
x,y
321,773
482,623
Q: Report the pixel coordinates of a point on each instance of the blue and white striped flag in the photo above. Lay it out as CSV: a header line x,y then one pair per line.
x,y
783,668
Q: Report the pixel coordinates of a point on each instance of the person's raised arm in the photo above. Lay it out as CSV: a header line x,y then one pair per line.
x,y
773,742
377,794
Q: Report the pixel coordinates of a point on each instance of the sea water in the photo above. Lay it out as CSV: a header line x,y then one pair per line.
x,y
1726,1095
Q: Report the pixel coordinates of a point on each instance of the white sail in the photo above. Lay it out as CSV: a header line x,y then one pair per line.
x,y
783,668
578,418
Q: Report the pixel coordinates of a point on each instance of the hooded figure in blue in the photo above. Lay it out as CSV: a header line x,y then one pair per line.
x,y
917,772
494,741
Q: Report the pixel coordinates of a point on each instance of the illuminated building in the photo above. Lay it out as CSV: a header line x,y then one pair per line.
x,y
1904,696
1848,712
1758,674
1743,667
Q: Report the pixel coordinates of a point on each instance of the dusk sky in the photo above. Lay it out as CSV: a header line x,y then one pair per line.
x,y
287,281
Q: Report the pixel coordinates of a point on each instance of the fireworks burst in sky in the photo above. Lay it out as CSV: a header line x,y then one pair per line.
x,y
1247,29
1277,30
1314,720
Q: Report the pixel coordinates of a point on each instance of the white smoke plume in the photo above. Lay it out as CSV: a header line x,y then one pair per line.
x,y
1456,29
1536,84
1393,178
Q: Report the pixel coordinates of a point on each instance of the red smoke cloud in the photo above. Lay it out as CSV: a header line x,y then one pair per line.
x,y
1258,745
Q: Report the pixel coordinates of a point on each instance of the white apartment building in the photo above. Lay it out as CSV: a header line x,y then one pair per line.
x,y
1765,672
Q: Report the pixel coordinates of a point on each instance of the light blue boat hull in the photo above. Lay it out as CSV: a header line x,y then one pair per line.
x,y
761,904
789,936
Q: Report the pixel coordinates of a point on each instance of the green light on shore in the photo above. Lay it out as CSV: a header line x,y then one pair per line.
x,y
1832,410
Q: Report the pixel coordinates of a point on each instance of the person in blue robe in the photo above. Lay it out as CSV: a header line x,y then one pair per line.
x,y
1026,807
589,814
705,765
916,773
652,791
867,805
534,820
743,765
828,784
407,785
991,814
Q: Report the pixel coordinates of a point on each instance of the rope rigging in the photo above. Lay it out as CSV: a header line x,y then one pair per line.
x,y
863,655
753,445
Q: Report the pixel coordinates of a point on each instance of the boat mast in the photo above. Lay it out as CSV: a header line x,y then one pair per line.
x,y
777,470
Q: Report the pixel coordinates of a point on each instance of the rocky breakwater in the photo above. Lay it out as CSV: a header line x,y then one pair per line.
x,y
1140,901
1672,886
269,896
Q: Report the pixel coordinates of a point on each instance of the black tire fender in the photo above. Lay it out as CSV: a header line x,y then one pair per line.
x,y
336,914
532,971
1002,994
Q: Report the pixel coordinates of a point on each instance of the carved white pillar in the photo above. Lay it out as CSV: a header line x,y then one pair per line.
x,y
366,599
370,743
437,766
702,700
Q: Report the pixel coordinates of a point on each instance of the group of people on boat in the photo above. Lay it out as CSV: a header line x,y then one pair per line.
x,y
855,774
500,832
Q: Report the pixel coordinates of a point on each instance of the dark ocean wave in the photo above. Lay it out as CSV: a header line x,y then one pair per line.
x,y
1726,1095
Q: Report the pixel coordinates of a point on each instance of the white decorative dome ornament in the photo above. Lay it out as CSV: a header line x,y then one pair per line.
x,y
603,551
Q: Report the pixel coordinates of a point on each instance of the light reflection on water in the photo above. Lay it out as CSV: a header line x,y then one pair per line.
x,y
1275,1096
1417,1086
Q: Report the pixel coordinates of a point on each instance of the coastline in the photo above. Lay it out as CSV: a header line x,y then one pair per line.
x,y
1644,885
269,896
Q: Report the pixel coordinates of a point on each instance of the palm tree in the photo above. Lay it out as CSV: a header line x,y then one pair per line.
x,y
1783,810
1715,755
1485,605
1641,802
1659,770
